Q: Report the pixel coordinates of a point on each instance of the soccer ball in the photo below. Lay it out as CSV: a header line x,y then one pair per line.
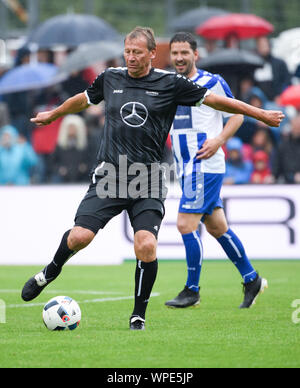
x,y
61,313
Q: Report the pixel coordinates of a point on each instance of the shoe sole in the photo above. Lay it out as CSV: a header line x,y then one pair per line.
x,y
135,329
195,305
263,286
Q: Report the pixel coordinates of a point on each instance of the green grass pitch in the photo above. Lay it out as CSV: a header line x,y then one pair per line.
x,y
216,334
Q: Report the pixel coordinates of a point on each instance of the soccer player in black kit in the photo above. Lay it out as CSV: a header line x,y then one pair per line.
x,y
140,106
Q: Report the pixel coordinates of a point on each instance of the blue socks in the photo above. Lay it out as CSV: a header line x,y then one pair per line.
x,y
194,257
235,251
233,248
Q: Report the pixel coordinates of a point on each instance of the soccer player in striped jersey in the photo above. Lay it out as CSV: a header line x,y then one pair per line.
x,y
197,138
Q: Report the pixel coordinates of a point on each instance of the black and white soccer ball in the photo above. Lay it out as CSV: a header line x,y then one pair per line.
x,y
61,313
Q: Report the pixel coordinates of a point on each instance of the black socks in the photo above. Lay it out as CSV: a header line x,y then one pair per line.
x,y
62,255
145,276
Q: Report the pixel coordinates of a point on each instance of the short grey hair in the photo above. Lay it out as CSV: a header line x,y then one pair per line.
x,y
147,32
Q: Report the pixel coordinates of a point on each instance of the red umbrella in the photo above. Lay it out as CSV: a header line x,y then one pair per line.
x,y
291,96
245,26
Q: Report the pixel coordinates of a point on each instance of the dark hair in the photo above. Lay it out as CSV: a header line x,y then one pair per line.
x,y
147,32
185,37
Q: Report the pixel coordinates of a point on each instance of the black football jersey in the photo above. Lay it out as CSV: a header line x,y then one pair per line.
x,y
139,112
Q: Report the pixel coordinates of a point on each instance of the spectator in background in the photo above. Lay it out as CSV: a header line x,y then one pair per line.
x,y
45,56
261,141
70,160
232,41
246,84
17,158
250,126
210,45
22,56
19,104
3,69
257,98
20,111
261,169
274,76
74,84
44,140
238,170
297,74
94,118
287,162
4,115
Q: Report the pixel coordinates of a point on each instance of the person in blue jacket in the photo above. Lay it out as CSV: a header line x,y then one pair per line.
x,y
17,158
238,170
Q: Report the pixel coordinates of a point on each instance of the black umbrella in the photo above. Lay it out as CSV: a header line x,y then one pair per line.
x,y
188,21
232,64
231,60
71,30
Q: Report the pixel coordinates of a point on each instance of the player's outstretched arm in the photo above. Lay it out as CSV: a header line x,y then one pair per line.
x,y
73,104
272,118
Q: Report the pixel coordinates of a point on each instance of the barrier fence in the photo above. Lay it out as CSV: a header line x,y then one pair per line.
x,y
33,219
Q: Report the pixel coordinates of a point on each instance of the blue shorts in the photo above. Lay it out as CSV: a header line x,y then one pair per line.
x,y
201,193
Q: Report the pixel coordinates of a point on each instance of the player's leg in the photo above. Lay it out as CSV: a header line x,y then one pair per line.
x,y
145,274
72,241
188,227
188,224
146,227
199,192
217,226
92,214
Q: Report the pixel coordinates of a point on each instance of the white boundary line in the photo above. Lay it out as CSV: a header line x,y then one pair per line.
x,y
80,302
58,292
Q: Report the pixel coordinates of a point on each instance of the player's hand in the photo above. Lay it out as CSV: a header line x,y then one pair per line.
x,y
42,118
273,118
209,148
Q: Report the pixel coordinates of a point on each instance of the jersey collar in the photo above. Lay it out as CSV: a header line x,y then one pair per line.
x,y
140,78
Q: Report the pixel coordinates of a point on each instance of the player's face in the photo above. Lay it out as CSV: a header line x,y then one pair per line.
x,y
138,57
184,58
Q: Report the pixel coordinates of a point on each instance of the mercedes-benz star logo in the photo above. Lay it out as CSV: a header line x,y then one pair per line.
x,y
134,114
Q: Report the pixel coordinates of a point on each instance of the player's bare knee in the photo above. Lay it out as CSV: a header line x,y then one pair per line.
x,y
79,238
184,227
145,246
146,251
216,231
216,223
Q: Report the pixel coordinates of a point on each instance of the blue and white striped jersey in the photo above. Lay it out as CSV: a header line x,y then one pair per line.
x,y
193,125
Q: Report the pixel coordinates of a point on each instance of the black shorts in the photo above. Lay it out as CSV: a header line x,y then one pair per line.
x,y
144,213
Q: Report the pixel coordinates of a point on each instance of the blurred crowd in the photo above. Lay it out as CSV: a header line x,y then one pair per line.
x,y
259,154
64,151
